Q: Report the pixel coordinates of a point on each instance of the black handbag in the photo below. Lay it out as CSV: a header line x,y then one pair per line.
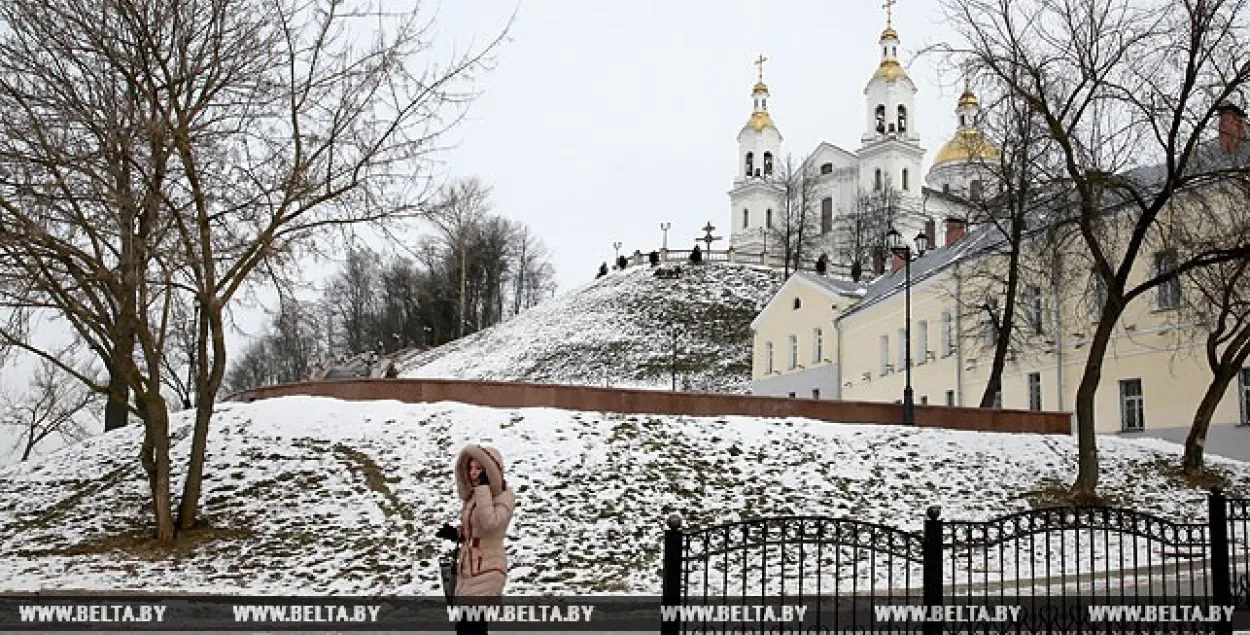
x,y
447,564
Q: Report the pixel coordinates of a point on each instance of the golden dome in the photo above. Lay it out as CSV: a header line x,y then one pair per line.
x,y
890,33
760,120
760,87
968,100
889,70
967,144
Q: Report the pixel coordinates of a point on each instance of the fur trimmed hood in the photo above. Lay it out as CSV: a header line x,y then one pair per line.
x,y
491,461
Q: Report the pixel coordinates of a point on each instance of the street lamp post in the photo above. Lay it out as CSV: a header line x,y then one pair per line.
x,y
894,241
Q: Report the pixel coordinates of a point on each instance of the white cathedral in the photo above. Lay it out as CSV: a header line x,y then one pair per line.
x,y
889,157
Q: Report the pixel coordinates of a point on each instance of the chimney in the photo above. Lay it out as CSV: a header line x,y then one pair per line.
x,y
954,230
1232,127
878,260
897,263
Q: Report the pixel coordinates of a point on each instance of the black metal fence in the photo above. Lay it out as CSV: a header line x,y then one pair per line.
x,y
1053,561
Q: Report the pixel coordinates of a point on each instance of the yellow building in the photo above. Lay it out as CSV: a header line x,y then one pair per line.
x,y
831,338
828,338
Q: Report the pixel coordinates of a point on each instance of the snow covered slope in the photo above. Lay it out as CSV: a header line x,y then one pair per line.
x,y
616,331
309,495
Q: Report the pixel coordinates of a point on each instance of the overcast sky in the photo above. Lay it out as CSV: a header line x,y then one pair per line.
x,y
605,118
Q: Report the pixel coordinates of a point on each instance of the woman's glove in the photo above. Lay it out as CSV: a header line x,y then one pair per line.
x,y
449,533
482,478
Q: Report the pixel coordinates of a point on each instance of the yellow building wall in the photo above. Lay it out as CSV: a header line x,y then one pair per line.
x,y
781,320
1168,359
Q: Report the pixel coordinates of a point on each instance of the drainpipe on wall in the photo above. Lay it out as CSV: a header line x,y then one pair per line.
x,y
1056,271
959,337
837,328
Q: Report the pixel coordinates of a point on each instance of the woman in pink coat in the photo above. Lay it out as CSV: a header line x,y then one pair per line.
x,y
484,518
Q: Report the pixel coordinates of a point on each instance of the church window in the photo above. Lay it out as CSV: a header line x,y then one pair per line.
x,y
750,163
826,215
904,178
826,168
902,118
876,184
768,218
880,118
768,164
746,217
963,122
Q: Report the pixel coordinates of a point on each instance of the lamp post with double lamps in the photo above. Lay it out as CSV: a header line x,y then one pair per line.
x,y
894,241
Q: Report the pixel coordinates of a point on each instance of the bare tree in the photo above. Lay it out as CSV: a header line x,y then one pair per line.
x,y
533,277
796,230
1119,86
55,404
861,232
1216,298
458,212
192,146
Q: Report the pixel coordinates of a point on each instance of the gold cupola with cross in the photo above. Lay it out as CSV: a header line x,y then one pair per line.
x,y
969,144
760,118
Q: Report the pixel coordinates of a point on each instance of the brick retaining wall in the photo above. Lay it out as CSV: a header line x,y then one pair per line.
x,y
588,398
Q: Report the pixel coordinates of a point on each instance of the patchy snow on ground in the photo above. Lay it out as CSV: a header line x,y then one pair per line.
x,y
321,496
618,331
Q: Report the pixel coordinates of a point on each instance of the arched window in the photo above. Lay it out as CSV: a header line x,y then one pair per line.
x,y
746,217
750,163
876,184
902,118
826,215
963,122
880,118
904,178
768,218
768,164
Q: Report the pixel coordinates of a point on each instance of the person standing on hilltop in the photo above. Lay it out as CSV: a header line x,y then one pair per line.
x,y
484,518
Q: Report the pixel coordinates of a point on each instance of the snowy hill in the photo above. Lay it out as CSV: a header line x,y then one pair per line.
x,y
616,331
317,496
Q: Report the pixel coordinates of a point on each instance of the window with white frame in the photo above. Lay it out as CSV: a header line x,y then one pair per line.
x,y
885,354
1168,295
990,309
948,334
818,345
1036,309
794,351
1035,391
1099,295
1132,405
1245,396
922,342
902,349
768,357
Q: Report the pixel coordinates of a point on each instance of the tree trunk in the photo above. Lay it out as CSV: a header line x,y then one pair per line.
x,y
464,282
1196,441
116,411
156,463
1005,328
1086,484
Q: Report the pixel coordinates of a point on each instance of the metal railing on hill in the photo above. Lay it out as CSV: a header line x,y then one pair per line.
x,y
733,256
